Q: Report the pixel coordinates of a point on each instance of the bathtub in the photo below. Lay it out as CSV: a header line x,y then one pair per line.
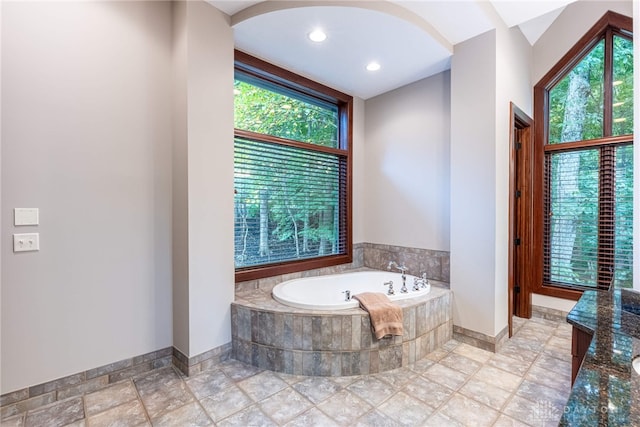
x,y
326,337
327,292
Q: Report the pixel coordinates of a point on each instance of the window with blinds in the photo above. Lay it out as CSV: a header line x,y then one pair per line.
x,y
587,183
291,172
588,217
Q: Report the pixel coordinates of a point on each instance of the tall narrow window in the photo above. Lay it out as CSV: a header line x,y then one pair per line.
x,y
292,180
584,140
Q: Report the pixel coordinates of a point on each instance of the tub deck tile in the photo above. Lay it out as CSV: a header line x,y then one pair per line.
x,y
355,332
307,333
336,332
321,343
346,333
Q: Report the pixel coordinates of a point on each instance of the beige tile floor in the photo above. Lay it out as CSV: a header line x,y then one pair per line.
x,y
526,383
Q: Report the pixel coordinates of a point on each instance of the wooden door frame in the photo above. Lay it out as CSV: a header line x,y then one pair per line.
x,y
519,120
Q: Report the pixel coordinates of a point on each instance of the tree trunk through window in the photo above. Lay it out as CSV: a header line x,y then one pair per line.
x,y
582,179
563,233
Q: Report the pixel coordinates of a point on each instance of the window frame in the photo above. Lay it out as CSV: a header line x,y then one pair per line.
x,y
609,25
273,74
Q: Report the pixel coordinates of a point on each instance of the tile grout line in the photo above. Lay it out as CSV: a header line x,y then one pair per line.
x,y
533,362
235,384
548,345
186,386
447,400
513,393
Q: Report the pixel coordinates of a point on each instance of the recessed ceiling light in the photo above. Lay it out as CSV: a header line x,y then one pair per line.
x,y
373,66
317,35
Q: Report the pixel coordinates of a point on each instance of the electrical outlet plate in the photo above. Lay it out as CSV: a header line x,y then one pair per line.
x,y
26,242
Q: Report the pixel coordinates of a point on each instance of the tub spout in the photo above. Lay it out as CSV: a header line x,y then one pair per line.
x,y
347,295
402,270
400,267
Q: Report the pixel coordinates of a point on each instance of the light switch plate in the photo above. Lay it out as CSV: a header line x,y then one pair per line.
x,y
26,216
26,242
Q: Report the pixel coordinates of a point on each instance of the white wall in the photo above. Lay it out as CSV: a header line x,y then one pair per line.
x,y
203,286
473,183
513,84
180,189
210,176
86,138
407,165
574,21
552,302
488,73
359,167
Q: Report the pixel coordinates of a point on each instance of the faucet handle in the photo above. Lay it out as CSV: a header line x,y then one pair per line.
x,y
390,284
347,295
420,282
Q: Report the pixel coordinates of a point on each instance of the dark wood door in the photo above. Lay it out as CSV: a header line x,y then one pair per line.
x,y
520,216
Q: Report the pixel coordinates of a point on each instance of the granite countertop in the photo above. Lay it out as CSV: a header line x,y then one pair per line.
x,y
607,389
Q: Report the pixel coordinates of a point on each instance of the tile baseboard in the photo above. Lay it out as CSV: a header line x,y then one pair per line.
x,y
196,364
548,313
79,384
480,340
82,383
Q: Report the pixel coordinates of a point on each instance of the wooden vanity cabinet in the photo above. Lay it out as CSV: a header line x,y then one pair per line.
x,y
579,345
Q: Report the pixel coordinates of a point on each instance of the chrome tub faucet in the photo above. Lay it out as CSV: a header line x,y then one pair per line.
x,y
420,283
403,270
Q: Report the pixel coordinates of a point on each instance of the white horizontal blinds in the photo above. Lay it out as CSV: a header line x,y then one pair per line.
x,y
571,217
623,218
287,203
588,217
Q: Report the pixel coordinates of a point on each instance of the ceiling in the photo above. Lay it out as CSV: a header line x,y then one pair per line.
x,y
410,40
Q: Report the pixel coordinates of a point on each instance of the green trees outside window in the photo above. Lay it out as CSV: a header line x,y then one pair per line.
x,y
290,174
576,103
588,179
268,109
622,86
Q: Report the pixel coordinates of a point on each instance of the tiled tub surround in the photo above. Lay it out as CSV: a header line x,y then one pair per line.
x,y
417,261
375,256
272,336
